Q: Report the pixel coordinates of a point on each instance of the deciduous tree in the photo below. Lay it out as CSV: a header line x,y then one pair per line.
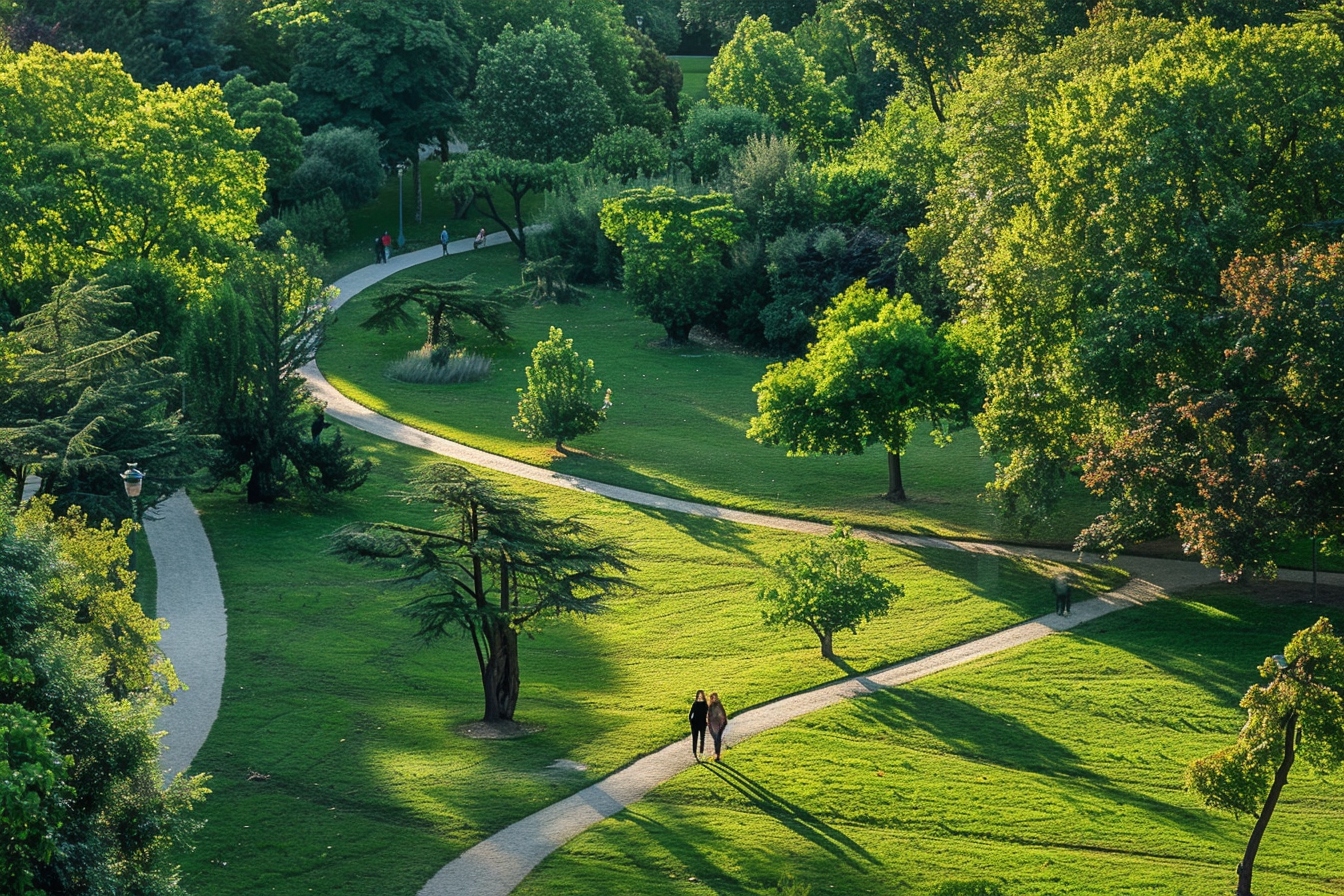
x,y
491,569
826,586
877,368
1300,711
472,178
561,399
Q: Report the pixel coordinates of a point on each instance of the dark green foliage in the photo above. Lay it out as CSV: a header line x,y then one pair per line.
x,y
712,136
278,137
574,233
720,17
245,351
441,304
182,34
654,74
343,160
628,153
660,25
319,222
773,187
83,398
493,567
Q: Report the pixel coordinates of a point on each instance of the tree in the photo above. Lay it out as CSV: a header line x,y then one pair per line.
x,y
1301,709
83,397
277,138
471,178
712,136
826,587
674,247
1248,458
182,34
245,353
876,368
1088,235
342,160
491,569
440,303
399,69
762,69
627,153
536,99
123,174
82,684
560,401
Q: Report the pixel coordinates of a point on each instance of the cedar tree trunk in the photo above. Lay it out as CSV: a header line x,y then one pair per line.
x,y
499,675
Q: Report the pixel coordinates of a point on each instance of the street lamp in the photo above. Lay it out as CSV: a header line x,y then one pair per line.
x,y
401,231
133,478
639,23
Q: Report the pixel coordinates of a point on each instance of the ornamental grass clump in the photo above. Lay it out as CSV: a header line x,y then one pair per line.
x,y
439,367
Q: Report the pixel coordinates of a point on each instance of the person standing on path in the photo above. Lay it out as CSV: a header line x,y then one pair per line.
x,y
377,250
387,246
698,716
717,720
480,239
443,239
1063,597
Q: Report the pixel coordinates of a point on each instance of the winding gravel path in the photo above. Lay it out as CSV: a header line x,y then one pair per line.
x,y
189,597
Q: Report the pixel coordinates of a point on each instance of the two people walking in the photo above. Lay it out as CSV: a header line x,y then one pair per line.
x,y
707,715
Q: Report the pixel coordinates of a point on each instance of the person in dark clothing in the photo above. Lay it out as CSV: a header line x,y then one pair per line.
x,y
716,719
698,718
377,250
1063,598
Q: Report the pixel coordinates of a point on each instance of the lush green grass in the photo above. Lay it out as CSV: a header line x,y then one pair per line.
x,y
1055,769
678,424
694,75
371,789
381,215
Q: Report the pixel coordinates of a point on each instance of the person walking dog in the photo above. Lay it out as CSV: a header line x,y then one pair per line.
x,y
716,718
698,719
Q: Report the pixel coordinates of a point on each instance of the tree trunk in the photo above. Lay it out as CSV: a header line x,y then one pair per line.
x,y
895,487
521,239
1247,865
434,331
415,186
826,649
558,446
500,676
262,485
678,334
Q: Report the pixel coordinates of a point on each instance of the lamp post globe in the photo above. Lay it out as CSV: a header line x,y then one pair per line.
x,y
133,478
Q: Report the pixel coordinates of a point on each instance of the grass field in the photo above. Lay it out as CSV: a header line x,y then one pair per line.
x,y
678,424
694,75
1054,770
335,759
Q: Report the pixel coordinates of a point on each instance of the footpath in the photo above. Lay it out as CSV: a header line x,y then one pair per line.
x,y
190,599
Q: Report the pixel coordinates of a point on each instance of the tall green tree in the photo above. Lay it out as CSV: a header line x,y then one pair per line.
x,y
763,69
80,397
493,567
81,687
536,99
561,399
472,178
826,587
674,247
399,69
277,136
1300,710
440,304
121,174
245,352
877,368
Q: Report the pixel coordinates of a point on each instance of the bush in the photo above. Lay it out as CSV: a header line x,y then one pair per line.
x,y
439,366
321,222
342,160
627,153
572,232
714,135
773,187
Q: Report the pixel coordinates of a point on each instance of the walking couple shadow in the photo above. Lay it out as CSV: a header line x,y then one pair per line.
x,y
707,715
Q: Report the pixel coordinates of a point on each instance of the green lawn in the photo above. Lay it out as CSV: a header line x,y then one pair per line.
x,y
694,75
1053,770
368,789
380,215
678,424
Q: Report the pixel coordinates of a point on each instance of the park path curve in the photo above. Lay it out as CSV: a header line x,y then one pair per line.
x,y
496,865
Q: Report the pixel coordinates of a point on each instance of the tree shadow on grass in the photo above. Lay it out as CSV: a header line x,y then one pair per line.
x,y
794,817
1022,584
979,735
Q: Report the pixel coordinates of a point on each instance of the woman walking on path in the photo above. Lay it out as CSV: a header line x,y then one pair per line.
x,y
699,712
717,720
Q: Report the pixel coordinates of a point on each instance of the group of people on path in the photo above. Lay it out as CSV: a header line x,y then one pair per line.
x,y
707,715
382,245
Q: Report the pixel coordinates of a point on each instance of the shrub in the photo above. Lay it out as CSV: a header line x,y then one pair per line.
x,y
627,153
713,136
439,366
343,160
320,222
573,233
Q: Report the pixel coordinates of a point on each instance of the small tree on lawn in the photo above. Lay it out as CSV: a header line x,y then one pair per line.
x,y
491,569
441,304
1301,709
878,365
825,587
561,400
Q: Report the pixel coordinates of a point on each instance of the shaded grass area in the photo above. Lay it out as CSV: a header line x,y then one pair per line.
x,y
678,424
1055,768
694,75
336,762
380,215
